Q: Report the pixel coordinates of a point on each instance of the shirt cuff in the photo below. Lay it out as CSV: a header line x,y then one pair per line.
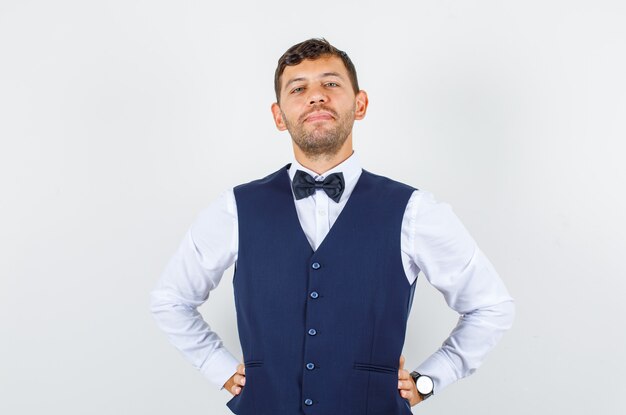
x,y
219,367
440,370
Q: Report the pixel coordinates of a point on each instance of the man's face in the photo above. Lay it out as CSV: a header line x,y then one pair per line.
x,y
318,105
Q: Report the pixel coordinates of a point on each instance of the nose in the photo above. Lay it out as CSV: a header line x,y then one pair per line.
x,y
317,95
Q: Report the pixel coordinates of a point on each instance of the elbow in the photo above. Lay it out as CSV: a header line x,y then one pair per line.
x,y
164,304
499,316
507,314
159,304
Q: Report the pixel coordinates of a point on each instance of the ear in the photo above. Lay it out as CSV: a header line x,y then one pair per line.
x,y
278,117
361,105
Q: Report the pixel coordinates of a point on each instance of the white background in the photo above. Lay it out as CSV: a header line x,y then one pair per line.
x,y
121,120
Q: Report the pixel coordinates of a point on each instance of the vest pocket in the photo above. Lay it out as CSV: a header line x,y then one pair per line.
x,y
375,368
380,382
253,363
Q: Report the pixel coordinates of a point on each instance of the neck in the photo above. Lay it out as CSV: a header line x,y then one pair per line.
x,y
320,163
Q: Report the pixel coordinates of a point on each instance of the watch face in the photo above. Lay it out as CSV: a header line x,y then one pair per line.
x,y
424,385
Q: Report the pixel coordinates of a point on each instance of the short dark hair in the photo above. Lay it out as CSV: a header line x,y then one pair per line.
x,y
312,49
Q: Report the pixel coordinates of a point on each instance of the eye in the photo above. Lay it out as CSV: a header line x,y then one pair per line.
x,y
297,89
333,84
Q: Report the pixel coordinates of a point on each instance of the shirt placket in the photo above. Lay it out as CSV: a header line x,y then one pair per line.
x,y
322,223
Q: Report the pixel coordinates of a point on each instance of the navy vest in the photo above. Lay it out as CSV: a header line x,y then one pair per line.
x,y
321,331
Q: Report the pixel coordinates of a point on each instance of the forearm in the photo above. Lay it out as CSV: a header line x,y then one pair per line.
x,y
192,336
464,351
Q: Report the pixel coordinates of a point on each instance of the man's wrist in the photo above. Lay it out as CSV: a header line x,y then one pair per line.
x,y
424,385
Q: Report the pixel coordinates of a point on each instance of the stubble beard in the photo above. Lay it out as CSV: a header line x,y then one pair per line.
x,y
321,141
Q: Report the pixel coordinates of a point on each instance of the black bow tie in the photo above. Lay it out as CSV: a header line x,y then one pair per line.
x,y
304,185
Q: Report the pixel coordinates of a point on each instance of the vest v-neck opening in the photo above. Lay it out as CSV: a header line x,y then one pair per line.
x,y
338,221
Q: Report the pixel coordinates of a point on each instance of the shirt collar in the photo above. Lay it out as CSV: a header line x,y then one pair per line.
x,y
350,167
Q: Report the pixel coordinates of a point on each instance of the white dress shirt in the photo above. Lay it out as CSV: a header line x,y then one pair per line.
x,y
433,240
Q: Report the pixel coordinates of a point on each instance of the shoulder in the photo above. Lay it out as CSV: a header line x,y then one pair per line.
x,y
435,221
220,208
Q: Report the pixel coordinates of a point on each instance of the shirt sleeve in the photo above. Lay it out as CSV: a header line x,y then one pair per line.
x,y
208,248
444,251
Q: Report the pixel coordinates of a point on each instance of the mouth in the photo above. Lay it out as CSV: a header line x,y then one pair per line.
x,y
318,116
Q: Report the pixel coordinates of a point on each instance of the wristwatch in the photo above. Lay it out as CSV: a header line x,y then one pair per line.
x,y
424,384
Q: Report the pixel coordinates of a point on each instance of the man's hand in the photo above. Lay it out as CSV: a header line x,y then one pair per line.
x,y
236,381
406,385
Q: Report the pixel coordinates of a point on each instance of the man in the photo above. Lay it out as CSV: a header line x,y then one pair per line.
x,y
326,257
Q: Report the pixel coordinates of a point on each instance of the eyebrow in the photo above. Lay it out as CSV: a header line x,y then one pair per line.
x,y
324,75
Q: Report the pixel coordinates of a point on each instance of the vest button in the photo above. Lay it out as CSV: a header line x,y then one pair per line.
x,y
308,402
312,332
316,265
314,294
310,366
